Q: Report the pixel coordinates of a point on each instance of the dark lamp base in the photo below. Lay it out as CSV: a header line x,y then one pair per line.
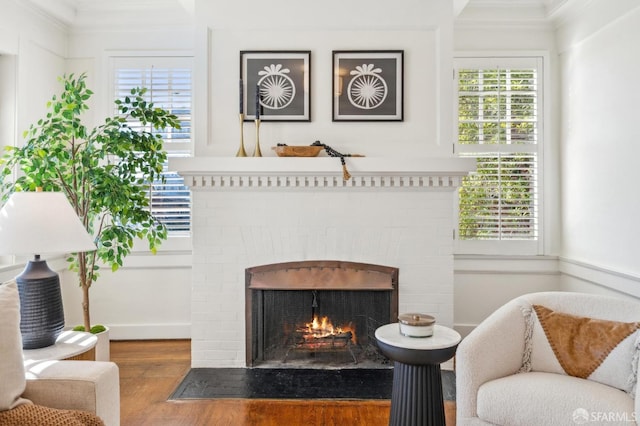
x,y
41,311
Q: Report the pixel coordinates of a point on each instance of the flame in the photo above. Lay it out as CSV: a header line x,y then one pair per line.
x,y
323,327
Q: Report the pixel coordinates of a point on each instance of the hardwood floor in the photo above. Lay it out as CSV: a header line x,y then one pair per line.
x,y
150,370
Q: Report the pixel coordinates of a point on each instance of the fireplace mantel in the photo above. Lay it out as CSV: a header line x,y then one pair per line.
x,y
278,172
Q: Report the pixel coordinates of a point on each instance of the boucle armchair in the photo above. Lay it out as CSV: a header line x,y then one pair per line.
x,y
552,358
91,386
51,392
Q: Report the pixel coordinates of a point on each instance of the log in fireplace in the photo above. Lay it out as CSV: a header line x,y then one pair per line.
x,y
318,313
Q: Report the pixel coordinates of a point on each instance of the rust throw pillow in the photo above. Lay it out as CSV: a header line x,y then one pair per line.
x,y
590,348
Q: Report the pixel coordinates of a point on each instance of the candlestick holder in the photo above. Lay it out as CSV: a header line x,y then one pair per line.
x,y
241,152
257,152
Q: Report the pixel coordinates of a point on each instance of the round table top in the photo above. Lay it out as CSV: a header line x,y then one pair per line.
x,y
442,338
68,344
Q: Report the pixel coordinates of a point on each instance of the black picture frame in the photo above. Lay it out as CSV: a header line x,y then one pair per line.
x,y
285,84
368,85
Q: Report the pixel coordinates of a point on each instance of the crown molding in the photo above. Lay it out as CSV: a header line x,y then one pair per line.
x,y
91,15
61,11
515,13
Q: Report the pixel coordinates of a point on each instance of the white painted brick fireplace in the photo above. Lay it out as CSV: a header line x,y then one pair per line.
x,y
254,211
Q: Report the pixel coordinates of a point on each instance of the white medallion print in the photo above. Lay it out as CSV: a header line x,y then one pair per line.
x,y
367,90
277,90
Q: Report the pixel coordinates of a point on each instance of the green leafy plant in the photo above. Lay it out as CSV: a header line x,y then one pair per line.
x,y
105,172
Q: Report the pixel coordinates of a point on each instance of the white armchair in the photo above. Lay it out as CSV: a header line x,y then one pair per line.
x,y
28,395
507,372
91,386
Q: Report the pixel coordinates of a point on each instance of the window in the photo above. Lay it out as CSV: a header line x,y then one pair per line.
x,y
499,106
168,82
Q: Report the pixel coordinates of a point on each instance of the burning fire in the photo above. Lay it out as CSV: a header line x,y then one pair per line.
x,y
321,328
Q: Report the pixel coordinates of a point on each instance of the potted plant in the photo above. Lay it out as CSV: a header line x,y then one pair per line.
x,y
106,173
102,350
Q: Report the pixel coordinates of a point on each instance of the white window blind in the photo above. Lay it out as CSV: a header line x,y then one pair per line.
x,y
499,124
169,86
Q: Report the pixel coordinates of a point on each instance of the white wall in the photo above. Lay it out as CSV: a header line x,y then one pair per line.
x,y
8,79
150,296
482,284
417,135
39,49
589,153
147,299
33,53
598,254
600,233
422,29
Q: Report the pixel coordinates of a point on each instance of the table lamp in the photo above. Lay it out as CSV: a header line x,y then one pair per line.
x,y
33,223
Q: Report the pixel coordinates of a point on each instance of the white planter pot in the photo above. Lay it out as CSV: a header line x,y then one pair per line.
x,y
102,347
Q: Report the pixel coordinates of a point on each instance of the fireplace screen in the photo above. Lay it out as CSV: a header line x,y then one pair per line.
x,y
318,313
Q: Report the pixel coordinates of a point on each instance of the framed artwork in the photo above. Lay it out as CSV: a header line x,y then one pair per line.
x,y
368,85
276,85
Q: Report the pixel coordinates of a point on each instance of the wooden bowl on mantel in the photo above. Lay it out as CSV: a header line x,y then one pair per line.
x,y
297,151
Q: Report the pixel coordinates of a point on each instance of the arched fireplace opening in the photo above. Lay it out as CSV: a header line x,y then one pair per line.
x,y
318,314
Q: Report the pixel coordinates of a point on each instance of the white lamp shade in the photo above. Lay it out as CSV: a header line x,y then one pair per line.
x,y
41,222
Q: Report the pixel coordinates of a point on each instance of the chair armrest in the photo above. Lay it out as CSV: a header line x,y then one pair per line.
x,y
492,350
76,385
637,398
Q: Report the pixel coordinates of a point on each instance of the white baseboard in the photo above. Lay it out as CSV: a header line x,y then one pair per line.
x,y
464,329
149,331
447,365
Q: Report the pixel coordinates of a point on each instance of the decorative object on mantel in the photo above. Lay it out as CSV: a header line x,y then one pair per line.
x,y
283,150
241,152
333,153
257,152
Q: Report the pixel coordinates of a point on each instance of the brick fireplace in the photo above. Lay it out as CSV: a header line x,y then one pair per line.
x,y
248,212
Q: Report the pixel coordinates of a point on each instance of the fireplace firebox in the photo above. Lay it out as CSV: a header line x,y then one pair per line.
x,y
318,313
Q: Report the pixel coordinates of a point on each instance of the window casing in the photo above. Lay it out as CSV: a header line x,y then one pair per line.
x,y
169,86
499,109
8,104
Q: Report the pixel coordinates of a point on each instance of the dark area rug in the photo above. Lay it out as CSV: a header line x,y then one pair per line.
x,y
295,383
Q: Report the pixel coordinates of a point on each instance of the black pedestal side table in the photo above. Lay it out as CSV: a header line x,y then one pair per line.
x,y
416,398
